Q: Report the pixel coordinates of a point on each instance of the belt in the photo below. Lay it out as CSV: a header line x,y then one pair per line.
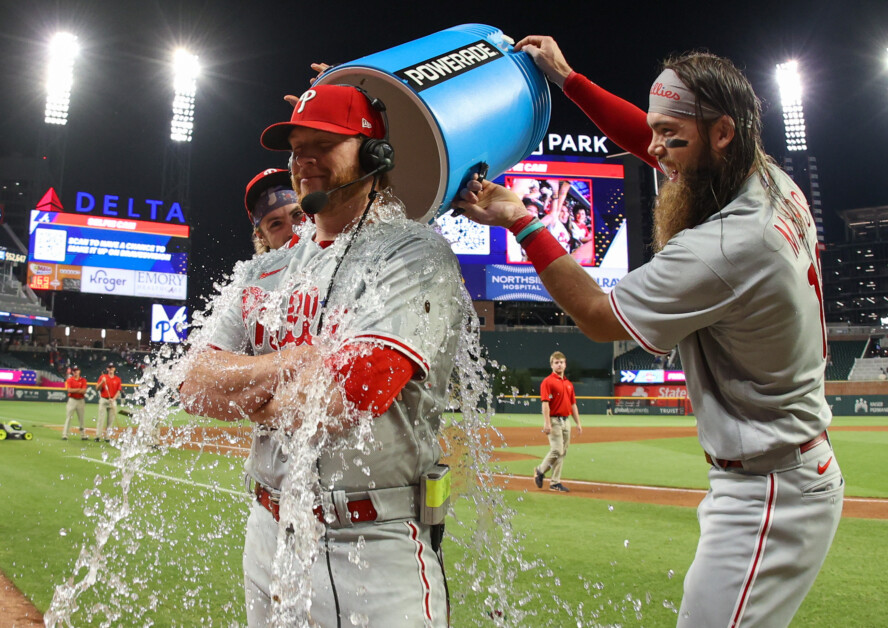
x,y
359,510
738,464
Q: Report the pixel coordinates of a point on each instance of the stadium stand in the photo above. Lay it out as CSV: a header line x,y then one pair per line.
x,y
842,355
19,299
92,362
638,359
869,369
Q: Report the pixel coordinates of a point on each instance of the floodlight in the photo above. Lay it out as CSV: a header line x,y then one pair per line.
x,y
790,83
63,50
185,71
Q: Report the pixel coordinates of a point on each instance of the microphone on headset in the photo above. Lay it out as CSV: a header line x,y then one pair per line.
x,y
316,201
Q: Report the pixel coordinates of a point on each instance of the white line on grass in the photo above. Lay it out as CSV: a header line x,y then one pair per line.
x,y
587,483
169,477
857,500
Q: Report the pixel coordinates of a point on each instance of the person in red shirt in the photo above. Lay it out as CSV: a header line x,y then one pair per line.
x,y
76,387
559,403
109,386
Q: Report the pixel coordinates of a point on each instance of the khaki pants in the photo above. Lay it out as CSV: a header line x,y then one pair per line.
x,y
107,412
559,440
75,406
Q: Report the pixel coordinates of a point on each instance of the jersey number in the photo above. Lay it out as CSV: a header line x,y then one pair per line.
x,y
814,282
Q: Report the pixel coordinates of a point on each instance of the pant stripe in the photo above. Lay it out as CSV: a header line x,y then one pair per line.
x,y
426,588
767,519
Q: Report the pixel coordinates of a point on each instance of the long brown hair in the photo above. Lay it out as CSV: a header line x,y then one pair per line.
x,y
720,84
717,82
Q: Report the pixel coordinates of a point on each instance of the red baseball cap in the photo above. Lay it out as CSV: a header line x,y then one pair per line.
x,y
271,177
342,109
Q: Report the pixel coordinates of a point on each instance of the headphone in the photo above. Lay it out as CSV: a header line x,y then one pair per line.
x,y
376,155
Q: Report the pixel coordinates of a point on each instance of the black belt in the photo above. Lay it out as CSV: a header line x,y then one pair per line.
x,y
738,464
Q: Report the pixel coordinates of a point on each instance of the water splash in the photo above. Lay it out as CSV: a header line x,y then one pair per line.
x,y
141,514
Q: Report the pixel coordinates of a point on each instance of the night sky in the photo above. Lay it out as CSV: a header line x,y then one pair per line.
x,y
252,53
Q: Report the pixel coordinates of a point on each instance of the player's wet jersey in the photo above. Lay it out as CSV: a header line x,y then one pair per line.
x,y
399,287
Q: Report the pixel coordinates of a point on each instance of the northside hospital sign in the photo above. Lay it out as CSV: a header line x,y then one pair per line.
x,y
109,245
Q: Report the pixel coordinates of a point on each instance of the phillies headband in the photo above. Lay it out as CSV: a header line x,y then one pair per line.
x,y
272,199
671,97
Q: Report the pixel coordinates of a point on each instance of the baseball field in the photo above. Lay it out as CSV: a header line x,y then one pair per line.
x,y
612,552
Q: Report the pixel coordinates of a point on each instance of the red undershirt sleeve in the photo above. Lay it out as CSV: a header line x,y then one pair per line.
x,y
624,123
373,380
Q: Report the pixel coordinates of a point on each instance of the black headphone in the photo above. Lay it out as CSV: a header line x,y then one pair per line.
x,y
376,155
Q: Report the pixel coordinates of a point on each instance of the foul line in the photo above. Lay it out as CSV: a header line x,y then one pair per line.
x,y
668,489
168,477
588,483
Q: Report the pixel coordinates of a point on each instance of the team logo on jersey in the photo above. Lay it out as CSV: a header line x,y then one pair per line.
x,y
302,311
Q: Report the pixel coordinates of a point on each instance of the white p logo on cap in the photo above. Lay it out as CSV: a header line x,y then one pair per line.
x,y
305,98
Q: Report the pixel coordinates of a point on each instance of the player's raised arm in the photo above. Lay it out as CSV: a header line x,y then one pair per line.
x,y
571,287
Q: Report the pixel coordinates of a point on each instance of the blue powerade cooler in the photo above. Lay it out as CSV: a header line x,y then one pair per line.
x,y
453,99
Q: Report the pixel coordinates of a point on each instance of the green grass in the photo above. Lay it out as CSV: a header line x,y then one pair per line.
x,y
181,547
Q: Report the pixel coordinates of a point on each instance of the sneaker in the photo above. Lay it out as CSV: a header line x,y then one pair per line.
x,y
561,488
84,438
97,440
538,478
64,438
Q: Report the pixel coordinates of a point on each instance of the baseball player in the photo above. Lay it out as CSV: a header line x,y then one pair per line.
x,y
109,386
273,209
559,403
368,307
736,284
76,386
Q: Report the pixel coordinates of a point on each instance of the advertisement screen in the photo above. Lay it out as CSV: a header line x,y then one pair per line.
x,y
169,323
94,254
580,200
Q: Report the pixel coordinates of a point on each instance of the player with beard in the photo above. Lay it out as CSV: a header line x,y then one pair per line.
x,y
736,285
353,330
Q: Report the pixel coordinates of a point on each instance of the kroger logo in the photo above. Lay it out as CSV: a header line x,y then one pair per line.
x,y
107,281
110,283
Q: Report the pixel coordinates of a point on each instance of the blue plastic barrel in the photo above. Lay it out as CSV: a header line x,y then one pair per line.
x,y
453,99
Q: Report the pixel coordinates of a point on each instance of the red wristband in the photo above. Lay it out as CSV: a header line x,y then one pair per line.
x,y
520,224
542,249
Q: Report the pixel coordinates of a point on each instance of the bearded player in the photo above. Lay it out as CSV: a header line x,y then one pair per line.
x,y
735,283
369,308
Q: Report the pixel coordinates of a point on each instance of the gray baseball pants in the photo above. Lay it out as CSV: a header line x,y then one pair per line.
x,y
401,585
763,539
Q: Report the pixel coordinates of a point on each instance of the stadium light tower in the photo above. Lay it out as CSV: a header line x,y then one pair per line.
x,y
177,155
790,82
185,71
63,50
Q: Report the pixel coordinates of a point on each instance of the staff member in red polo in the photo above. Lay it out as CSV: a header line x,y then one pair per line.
x,y
559,403
109,386
76,386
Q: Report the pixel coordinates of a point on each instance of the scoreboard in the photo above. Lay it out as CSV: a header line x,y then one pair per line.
x,y
103,255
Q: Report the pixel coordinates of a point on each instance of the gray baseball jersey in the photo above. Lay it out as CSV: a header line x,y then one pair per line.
x,y
400,287
741,296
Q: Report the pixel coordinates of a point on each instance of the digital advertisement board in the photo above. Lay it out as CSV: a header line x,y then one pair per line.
x,y
579,199
102,255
